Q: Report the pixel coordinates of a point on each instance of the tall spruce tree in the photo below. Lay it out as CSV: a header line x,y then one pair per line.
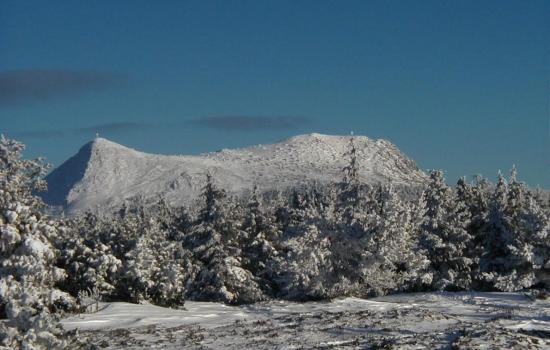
x,y
254,220
214,242
397,263
349,197
211,212
257,245
445,237
512,257
496,235
473,199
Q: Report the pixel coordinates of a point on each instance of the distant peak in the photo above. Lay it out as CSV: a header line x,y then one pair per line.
x,y
100,140
103,143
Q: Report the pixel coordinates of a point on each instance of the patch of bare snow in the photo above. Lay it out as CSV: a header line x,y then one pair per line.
x,y
434,320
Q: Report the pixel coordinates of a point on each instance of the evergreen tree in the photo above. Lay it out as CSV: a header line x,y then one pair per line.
x,y
397,263
303,271
445,237
512,255
474,201
536,226
211,212
517,192
349,197
155,268
214,241
496,236
91,251
257,247
139,266
254,220
28,278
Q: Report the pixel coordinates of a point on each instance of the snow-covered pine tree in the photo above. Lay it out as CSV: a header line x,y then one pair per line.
x,y
155,269
445,237
293,211
257,247
517,193
357,217
180,224
302,270
474,199
174,275
351,259
496,236
394,260
536,226
212,210
350,196
322,198
513,256
254,219
135,279
302,267
214,243
28,278
91,252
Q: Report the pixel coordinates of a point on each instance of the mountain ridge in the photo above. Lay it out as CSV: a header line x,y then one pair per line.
x,y
103,174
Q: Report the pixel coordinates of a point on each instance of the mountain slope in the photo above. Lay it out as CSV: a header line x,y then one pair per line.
x,y
103,173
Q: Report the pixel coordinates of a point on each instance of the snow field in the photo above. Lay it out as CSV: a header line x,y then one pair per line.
x,y
407,321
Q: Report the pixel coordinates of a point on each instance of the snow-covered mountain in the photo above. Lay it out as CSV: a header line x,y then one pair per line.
x,y
103,174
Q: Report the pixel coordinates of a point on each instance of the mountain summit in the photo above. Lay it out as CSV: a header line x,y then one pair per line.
x,y
103,174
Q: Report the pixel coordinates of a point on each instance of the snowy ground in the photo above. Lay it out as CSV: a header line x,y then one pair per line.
x,y
405,321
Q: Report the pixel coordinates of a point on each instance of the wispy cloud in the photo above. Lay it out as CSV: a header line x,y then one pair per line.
x,y
232,123
108,128
244,123
29,85
38,134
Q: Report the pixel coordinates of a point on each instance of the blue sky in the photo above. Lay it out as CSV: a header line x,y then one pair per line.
x,y
457,85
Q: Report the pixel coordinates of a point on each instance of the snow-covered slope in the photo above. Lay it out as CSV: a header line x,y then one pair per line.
x,y
103,173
